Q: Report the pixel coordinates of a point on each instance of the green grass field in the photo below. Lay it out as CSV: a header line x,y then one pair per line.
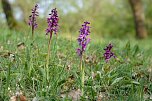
x,y
23,68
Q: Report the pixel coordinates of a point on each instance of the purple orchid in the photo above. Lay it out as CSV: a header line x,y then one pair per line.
x,y
32,18
108,54
52,27
52,22
83,40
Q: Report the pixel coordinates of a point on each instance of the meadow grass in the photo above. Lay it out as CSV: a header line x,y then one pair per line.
x,y
22,68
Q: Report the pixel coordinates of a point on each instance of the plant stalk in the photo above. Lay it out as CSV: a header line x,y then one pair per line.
x,y
48,57
32,33
82,75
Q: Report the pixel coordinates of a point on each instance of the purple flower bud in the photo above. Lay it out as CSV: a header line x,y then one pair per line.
x,y
79,52
32,18
108,54
52,22
83,40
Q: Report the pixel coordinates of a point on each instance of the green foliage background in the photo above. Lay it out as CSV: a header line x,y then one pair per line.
x,y
108,17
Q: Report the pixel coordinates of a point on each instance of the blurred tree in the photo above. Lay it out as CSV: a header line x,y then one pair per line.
x,y
22,4
11,22
139,18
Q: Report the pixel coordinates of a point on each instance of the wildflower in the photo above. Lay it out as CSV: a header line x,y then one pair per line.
x,y
108,54
52,27
83,40
32,18
52,22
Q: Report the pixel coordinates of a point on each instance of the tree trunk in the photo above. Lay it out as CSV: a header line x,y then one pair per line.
x,y
139,18
12,24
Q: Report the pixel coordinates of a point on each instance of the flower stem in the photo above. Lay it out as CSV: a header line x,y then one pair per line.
x,y
32,32
48,57
82,75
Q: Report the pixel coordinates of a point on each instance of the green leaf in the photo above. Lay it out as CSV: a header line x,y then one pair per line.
x,y
135,82
127,48
117,80
136,50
